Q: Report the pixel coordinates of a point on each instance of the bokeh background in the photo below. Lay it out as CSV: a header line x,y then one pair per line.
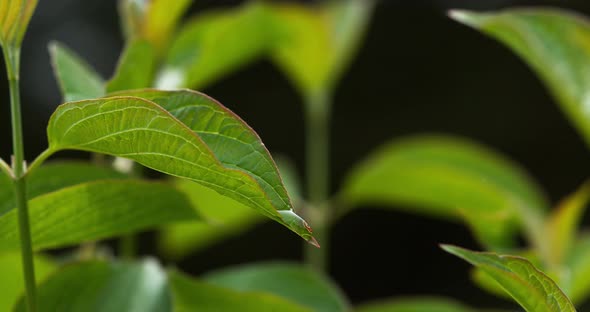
x,y
417,72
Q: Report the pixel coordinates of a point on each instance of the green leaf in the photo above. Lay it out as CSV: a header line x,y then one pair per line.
x,y
290,281
135,69
12,285
575,278
225,218
184,134
554,43
191,295
14,19
52,177
415,304
105,287
319,42
77,80
215,43
152,20
451,178
562,226
96,210
528,286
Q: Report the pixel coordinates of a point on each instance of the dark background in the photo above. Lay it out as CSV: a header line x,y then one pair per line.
x,y
417,72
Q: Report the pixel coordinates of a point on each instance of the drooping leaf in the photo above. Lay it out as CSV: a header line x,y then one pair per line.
x,y
105,287
184,134
96,210
13,286
152,20
191,295
414,304
135,69
14,20
76,79
319,42
215,43
554,43
52,177
224,218
562,226
528,286
451,178
290,281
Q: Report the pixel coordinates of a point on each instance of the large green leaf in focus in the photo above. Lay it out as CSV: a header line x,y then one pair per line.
x,y
51,177
135,69
12,285
14,20
224,218
76,79
215,43
554,43
96,210
184,134
528,286
190,295
290,281
414,304
317,43
105,287
451,178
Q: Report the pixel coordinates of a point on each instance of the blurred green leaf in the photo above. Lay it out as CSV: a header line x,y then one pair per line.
x,y
184,134
191,295
152,20
531,288
290,281
226,218
575,278
105,287
96,210
414,304
52,177
451,178
14,20
135,69
76,79
318,42
12,285
562,226
554,43
215,43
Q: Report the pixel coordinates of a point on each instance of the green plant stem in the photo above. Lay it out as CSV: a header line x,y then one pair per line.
x,y
12,59
318,177
127,246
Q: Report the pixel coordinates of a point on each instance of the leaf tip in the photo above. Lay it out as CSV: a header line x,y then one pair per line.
x,y
463,17
314,242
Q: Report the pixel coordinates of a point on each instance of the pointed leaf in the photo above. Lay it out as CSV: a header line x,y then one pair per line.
x,y
451,178
319,42
215,43
135,69
562,226
224,218
77,80
96,210
290,281
531,288
152,20
414,304
52,177
184,134
555,44
104,287
12,286
14,20
192,295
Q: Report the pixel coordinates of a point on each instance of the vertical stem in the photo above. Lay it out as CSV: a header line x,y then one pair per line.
x,y
127,246
318,177
12,60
